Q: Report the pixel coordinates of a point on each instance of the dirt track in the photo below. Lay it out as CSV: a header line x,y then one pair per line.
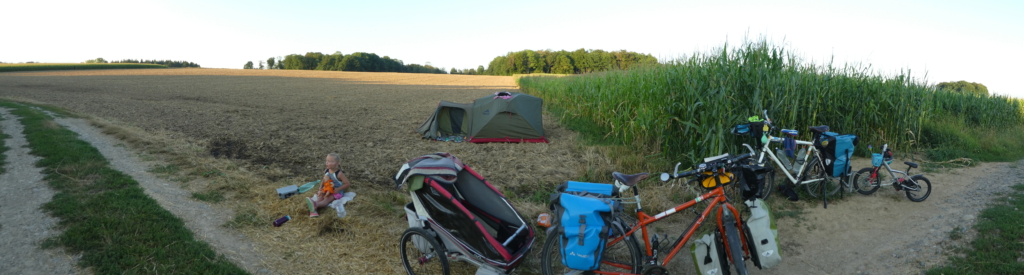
x,y
290,119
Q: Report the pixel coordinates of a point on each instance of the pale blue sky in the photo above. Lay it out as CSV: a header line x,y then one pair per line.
x,y
977,41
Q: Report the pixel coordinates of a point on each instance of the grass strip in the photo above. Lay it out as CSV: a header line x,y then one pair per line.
x,y
998,247
3,148
105,214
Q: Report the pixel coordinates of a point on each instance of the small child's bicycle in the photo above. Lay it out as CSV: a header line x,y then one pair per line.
x,y
868,180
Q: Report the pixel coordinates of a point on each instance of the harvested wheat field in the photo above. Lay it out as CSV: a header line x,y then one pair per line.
x,y
247,132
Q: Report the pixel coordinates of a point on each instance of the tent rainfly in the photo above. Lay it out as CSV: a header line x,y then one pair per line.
x,y
503,117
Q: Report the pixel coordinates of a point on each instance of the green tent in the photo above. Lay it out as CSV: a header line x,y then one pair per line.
x,y
502,117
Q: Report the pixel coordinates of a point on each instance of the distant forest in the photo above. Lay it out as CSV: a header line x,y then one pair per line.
x,y
355,62
562,62
168,63
522,62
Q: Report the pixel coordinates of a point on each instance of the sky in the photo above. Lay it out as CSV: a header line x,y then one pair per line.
x,y
937,41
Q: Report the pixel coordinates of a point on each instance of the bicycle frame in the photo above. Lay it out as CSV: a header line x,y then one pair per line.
x,y
892,173
716,197
766,151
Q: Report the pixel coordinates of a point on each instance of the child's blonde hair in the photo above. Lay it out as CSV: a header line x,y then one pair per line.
x,y
337,159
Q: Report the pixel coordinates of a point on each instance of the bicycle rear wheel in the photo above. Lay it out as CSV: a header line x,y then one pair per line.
x,y
918,188
863,183
816,171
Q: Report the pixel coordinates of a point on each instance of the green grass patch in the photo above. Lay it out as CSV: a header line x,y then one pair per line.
x,y
74,66
209,196
170,169
3,148
105,215
999,244
955,138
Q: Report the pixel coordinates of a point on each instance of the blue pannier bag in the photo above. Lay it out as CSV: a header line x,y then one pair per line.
x,y
598,188
838,150
584,231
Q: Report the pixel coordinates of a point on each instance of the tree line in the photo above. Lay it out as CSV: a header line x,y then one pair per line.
x,y
522,62
355,62
564,62
963,87
168,63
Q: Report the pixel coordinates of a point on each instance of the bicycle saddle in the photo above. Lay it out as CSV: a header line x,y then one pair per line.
x,y
819,129
911,164
629,180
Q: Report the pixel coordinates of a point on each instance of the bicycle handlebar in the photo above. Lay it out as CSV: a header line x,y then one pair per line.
x,y
707,166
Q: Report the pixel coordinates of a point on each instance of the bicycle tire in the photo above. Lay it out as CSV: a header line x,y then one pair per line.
x,y
433,253
860,181
918,182
551,257
732,238
769,185
733,191
816,170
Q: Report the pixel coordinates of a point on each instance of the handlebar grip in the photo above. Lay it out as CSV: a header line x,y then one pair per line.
x,y
740,157
687,174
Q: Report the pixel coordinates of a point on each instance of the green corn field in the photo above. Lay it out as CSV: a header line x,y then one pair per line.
x,y
73,66
685,109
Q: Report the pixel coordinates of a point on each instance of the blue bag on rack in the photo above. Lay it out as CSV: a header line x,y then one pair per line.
x,y
838,149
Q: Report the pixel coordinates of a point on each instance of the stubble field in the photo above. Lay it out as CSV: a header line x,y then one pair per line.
x,y
292,119
274,128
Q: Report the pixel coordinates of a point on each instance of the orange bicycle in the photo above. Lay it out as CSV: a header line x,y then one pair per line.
x,y
713,174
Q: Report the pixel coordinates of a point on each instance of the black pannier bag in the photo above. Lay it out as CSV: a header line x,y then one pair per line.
x,y
752,180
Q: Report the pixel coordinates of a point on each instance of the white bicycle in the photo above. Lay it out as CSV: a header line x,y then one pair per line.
x,y
807,167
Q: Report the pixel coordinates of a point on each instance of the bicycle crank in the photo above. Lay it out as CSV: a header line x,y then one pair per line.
x,y
654,270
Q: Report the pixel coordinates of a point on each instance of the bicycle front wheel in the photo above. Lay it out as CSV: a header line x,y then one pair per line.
x,y
732,239
623,256
918,188
864,184
819,179
769,185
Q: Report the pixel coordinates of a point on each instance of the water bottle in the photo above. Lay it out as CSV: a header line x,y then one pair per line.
x,y
282,220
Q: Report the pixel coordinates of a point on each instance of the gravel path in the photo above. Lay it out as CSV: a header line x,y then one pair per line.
x,y
886,233
23,225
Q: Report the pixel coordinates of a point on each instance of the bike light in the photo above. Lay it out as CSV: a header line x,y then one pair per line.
x,y
665,176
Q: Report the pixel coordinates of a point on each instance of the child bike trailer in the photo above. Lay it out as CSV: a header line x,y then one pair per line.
x,y
456,214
